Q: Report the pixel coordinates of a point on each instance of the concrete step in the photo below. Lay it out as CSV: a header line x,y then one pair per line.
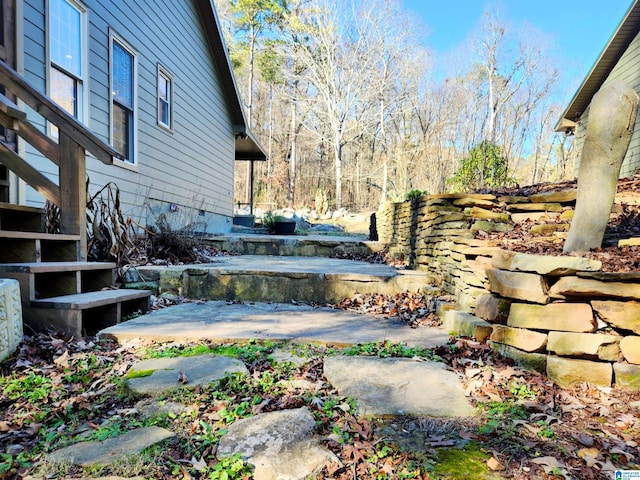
x,y
86,313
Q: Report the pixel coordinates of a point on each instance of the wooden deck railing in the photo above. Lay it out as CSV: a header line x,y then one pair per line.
x,y
68,153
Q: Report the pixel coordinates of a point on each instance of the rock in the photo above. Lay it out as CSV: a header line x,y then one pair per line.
x,y
397,386
585,287
548,228
520,338
492,308
529,361
112,449
625,315
280,445
150,408
630,347
465,324
627,376
518,285
473,201
535,207
566,317
477,212
543,264
560,196
10,317
604,347
164,372
568,372
534,216
486,226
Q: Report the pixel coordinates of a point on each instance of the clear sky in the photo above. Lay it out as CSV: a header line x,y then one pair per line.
x,y
579,29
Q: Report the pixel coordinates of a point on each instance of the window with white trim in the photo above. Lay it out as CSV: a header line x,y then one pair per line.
x,y
67,52
165,98
123,98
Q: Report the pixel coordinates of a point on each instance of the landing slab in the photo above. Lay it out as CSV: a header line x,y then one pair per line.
x,y
221,321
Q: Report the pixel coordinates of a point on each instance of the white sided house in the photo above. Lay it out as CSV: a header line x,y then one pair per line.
x,y
149,78
620,59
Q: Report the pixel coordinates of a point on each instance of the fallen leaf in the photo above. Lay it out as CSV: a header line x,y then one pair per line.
x,y
182,378
589,455
495,465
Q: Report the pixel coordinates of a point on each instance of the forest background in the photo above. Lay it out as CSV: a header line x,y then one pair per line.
x,y
343,97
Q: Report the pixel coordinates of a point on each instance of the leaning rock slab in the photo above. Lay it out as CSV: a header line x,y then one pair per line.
x,y
280,445
398,386
568,372
518,285
165,372
112,449
585,287
566,317
543,264
604,347
625,315
466,325
526,360
630,347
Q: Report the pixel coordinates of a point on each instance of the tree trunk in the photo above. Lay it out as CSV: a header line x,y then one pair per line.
x,y
612,117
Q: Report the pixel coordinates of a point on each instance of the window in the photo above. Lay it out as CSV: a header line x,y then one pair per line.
x,y
165,99
66,79
123,99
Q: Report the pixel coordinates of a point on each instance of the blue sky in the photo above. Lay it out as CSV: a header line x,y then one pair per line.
x,y
578,30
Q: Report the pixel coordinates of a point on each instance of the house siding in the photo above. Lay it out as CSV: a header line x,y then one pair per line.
x,y
626,69
190,167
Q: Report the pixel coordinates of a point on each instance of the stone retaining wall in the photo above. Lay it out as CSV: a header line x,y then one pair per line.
x,y
556,314
437,233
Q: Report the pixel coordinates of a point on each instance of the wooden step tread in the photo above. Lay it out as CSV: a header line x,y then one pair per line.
x,y
38,236
54,267
20,208
84,301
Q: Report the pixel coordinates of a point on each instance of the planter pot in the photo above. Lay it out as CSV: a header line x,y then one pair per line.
x,y
284,228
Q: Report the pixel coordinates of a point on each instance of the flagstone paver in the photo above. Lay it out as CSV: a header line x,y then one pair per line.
x,y
112,449
279,444
398,386
168,373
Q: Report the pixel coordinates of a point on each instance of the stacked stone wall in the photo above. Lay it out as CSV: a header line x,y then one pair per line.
x,y
557,314
445,235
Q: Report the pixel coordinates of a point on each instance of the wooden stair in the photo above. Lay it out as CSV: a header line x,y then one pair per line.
x,y
58,291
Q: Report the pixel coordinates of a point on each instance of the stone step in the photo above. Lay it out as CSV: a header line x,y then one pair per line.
x,y
38,247
86,313
293,245
52,279
253,278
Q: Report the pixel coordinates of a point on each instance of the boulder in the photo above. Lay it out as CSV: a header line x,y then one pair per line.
x,y
568,372
566,317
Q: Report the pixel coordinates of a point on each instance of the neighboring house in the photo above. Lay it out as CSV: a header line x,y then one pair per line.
x,y
619,59
152,78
